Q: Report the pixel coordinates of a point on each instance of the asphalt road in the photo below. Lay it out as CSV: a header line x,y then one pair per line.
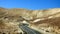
x,y
29,30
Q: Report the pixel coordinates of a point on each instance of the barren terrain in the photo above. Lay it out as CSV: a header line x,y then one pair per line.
x,y
46,21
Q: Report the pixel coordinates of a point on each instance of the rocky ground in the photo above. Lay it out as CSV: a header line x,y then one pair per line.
x,y
45,21
47,25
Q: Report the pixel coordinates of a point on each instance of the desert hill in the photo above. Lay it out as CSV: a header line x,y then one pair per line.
x,y
49,24
49,19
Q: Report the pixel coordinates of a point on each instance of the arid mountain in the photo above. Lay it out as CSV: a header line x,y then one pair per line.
x,y
45,21
30,14
47,25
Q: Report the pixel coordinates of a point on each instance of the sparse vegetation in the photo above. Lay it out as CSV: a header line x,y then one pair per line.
x,y
11,18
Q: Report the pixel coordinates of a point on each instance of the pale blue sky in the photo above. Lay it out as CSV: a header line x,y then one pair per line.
x,y
30,4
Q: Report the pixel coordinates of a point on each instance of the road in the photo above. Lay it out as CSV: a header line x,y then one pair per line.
x,y
29,30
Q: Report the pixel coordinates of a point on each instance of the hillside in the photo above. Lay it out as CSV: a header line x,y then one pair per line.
x,y
47,18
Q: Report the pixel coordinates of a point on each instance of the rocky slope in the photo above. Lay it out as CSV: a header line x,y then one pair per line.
x,y
44,21
47,25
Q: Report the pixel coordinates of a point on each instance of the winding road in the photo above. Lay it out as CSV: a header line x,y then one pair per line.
x,y
29,30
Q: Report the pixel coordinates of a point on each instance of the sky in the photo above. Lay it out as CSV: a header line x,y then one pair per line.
x,y
30,4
